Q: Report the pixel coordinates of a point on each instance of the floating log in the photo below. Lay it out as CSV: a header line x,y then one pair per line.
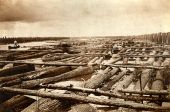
x,y
74,73
133,66
145,92
35,55
10,104
143,56
47,72
54,57
97,80
13,50
32,83
114,80
129,80
110,94
83,99
13,77
18,100
71,59
145,75
157,85
17,69
91,83
45,63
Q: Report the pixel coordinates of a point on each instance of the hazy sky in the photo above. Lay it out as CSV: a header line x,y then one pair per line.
x,y
83,17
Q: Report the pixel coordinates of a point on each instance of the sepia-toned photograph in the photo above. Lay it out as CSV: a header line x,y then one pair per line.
x,y
84,55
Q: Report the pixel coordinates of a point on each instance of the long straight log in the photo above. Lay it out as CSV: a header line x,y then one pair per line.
x,y
145,92
145,75
68,59
12,50
74,73
129,80
96,80
50,71
143,56
36,55
134,66
17,69
110,94
13,77
53,57
45,63
157,85
83,99
115,79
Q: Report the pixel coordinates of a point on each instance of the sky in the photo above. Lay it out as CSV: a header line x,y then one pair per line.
x,y
83,17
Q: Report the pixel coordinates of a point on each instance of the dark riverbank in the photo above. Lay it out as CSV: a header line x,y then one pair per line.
x,y
9,40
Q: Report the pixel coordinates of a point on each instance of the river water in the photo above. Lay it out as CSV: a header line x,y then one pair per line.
x,y
28,45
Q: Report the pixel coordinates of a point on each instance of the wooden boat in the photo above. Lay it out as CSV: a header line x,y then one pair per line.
x,y
13,47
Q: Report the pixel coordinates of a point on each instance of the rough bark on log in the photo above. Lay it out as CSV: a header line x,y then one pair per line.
x,y
96,80
47,72
114,80
84,99
110,94
10,78
53,57
17,69
133,66
129,80
157,85
74,73
146,92
45,63
146,74
89,84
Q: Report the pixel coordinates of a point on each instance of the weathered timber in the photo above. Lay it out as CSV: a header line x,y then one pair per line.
x,y
143,56
82,108
55,57
46,63
115,79
88,84
157,85
79,71
47,72
11,104
129,80
145,92
112,61
99,60
13,50
83,99
74,73
68,59
9,78
17,69
97,80
133,66
60,56
110,94
145,75
93,61
35,55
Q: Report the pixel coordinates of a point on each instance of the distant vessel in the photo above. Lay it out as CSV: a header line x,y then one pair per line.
x,y
13,47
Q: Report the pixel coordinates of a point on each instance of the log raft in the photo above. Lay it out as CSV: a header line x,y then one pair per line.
x,y
105,68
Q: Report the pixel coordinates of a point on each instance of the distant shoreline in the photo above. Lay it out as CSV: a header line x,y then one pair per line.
x,y
9,40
